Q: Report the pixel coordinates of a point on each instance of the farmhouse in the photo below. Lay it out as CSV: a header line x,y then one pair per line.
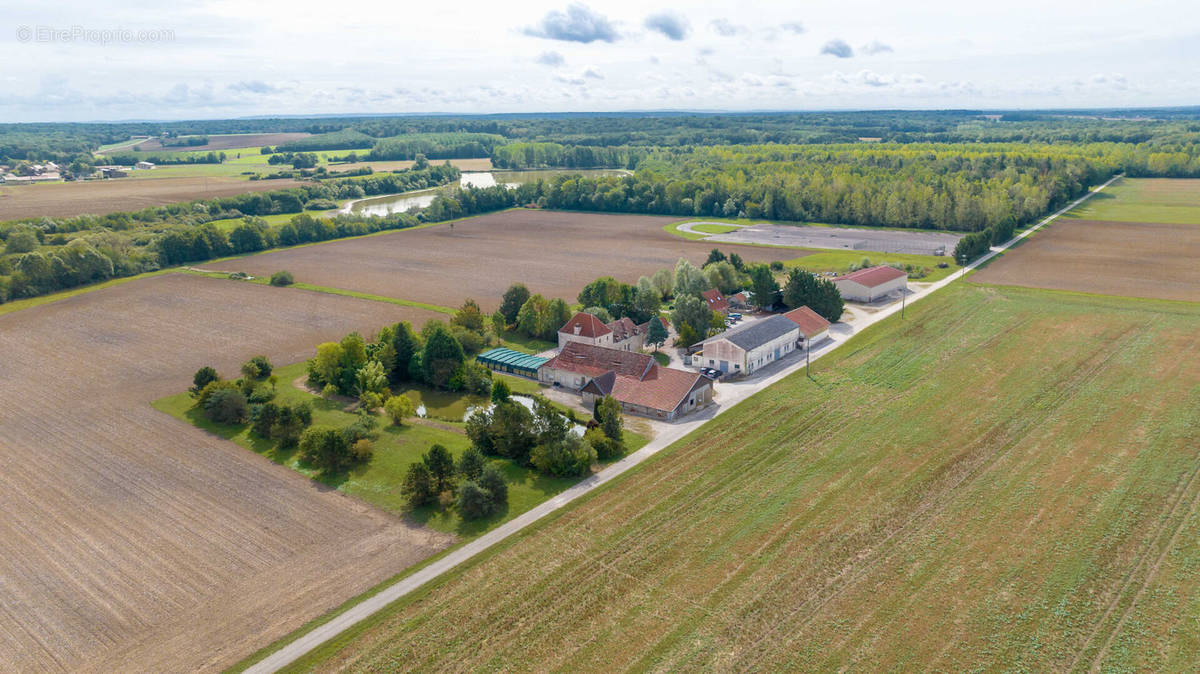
x,y
144,166
662,393
630,336
868,285
814,329
641,385
585,328
715,301
748,347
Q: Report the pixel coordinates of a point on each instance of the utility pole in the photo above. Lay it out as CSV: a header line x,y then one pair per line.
x,y
807,359
903,301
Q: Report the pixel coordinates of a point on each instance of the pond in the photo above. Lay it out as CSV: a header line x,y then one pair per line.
x,y
400,203
525,401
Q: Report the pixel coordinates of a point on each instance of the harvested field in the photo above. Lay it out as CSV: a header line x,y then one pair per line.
x,y
1136,259
1173,200
131,541
218,142
554,253
1008,479
120,194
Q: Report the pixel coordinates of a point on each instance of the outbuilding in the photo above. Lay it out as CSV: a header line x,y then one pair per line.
x,y
585,329
814,329
749,347
873,283
511,362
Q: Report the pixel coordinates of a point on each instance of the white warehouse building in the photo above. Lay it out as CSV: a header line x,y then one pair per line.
x,y
868,285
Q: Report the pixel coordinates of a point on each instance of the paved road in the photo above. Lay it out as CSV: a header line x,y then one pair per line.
x,y
915,241
730,394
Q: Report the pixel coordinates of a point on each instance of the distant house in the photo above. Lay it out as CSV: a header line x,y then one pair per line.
x,y
585,329
144,166
112,171
814,329
739,300
715,301
630,336
641,385
751,346
868,285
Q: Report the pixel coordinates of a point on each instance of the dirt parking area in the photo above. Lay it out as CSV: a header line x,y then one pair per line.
x,y
60,200
1136,259
844,238
131,541
554,253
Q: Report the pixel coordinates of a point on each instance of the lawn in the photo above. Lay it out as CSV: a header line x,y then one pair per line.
x,y
709,228
839,261
396,448
1008,478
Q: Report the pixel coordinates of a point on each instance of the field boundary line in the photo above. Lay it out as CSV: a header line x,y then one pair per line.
x,y
306,643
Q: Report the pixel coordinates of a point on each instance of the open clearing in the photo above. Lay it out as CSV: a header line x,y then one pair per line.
x,y
1007,479
555,253
1131,254
132,541
1170,200
218,142
120,194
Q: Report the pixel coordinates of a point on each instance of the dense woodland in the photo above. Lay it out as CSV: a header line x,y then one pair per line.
x,y
951,170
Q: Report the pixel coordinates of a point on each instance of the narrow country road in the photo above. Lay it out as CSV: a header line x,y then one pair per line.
x,y
729,395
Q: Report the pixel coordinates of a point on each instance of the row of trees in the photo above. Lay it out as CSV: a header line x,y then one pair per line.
x,y
543,155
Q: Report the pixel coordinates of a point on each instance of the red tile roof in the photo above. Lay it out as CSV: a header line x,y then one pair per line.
x,y
584,324
593,361
662,388
716,301
623,328
873,276
810,322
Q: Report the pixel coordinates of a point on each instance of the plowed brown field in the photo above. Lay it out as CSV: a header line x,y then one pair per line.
x,y
131,541
555,253
58,200
1136,259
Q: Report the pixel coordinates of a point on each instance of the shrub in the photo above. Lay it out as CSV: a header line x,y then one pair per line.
x,y
567,456
329,449
257,367
493,482
362,450
282,278
398,408
500,390
606,448
776,265
226,405
473,501
329,391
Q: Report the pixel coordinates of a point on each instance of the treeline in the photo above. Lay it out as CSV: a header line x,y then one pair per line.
x,y
434,146
951,187
47,255
131,158
545,155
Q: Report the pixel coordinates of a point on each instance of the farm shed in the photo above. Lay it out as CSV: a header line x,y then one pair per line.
x,y
813,327
660,393
868,285
511,362
745,349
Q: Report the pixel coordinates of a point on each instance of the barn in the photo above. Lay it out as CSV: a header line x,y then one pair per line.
x,y
814,329
749,347
873,283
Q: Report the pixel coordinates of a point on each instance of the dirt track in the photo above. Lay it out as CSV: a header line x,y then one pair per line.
x,y
132,541
555,253
57,200
1136,259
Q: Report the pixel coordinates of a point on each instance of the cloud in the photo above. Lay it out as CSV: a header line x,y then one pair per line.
x,y
592,73
671,25
577,24
837,48
550,58
253,87
725,28
794,27
875,47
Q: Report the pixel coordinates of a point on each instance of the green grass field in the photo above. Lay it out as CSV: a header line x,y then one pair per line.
x,y
1008,479
396,448
1166,200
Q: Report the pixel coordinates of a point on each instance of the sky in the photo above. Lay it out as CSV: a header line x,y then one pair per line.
x,y
194,59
